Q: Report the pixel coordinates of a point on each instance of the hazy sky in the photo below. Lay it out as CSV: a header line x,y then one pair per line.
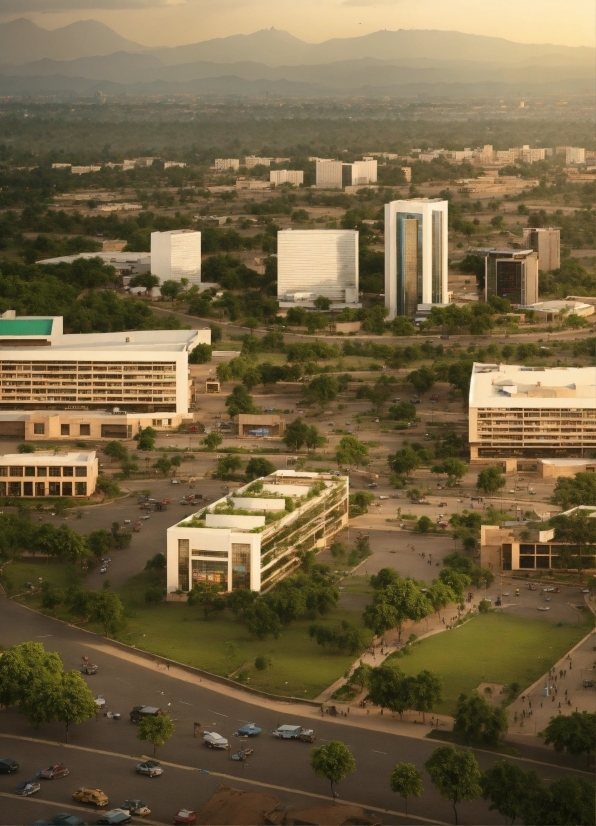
x,y
172,22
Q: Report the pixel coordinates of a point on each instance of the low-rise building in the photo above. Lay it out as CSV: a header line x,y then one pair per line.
x,y
253,537
225,164
286,176
259,424
557,309
34,475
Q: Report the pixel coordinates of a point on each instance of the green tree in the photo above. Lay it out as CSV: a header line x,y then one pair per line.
x,y
164,465
240,401
579,490
422,379
156,730
568,800
427,692
478,722
424,524
351,451
108,610
212,440
51,597
20,667
207,595
389,687
145,438
171,289
406,781
201,354
261,620
116,450
69,699
322,389
402,412
25,447
295,434
258,467
62,542
314,438
574,733
322,302
490,479
227,467
144,279
456,775
395,604
440,595
216,333
454,468
507,787
578,530
334,761
108,487
404,461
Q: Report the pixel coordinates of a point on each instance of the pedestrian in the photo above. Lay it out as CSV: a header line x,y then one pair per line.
x,y
168,666
368,711
540,705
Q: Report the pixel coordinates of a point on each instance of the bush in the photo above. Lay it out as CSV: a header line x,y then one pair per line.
x,y
108,487
155,595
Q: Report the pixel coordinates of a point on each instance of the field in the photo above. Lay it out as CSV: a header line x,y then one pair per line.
x,y
494,648
16,574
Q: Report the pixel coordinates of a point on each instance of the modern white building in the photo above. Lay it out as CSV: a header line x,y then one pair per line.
x,y
416,254
224,164
286,176
546,241
48,474
337,174
175,255
319,262
99,385
252,538
250,161
574,155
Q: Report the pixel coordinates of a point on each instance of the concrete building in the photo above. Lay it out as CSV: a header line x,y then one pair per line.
x,y
175,255
534,413
574,154
259,424
337,174
249,183
85,170
98,385
224,164
416,254
286,176
250,161
546,241
289,510
558,309
320,262
329,174
125,263
174,164
511,274
25,475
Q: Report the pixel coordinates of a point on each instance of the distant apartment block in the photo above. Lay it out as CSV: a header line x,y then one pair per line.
x,y
337,175
251,161
249,183
286,176
61,165
85,170
312,263
143,163
407,170
531,155
174,164
546,241
25,475
511,274
416,260
574,155
175,255
225,164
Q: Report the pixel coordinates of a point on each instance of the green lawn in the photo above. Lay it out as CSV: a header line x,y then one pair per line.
x,y
495,648
16,574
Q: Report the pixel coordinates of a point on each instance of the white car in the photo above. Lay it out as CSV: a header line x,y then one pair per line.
x,y
100,701
213,740
585,590
544,607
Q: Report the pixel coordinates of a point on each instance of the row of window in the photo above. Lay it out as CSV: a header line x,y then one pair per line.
x,y
41,489
80,471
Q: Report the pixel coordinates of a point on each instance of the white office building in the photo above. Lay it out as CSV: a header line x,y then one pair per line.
x,y
286,176
574,155
320,262
337,174
416,254
175,255
223,164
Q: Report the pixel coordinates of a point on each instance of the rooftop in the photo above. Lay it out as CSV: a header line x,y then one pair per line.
x,y
515,386
39,457
26,326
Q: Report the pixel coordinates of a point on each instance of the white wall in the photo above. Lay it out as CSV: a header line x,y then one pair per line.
x,y
329,174
176,255
323,262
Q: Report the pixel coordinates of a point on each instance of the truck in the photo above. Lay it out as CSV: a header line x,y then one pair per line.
x,y
141,712
307,735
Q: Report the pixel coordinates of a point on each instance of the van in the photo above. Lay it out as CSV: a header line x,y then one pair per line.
x,y
141,712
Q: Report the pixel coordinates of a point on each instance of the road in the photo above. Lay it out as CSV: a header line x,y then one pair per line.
x,y
282,768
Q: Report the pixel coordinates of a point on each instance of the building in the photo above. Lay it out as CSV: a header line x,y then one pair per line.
x,y
531,412
224,164
573,154
511,274
259,424
557,309
85,170
329,174
125,263
286,176
249,183
290,511
27,475
337,174
250,161
320,262
416,247
174,164
98,385
546,241
175,255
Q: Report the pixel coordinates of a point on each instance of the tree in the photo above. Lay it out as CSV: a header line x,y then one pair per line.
x,y
406,781
227,466
144,279
240,401
507,787
25,447
170,289
478,722
108,487
427,692
62,542
491,479
156,563
322,389
314,439
69,699
440,595
568,800
212,440
395,604
454,468
351,451
261,620
216,333
455,580
156,730
107,609
578,530
389,687
116,450
296,434
574,733
201,354
322,302
422,379
333,761
258,467
163,464
51,597
424,524
404,461
145,438
402,412
456,774
20,667
208,596
580,490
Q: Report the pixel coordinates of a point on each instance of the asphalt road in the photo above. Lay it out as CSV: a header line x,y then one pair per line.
x,y
275,763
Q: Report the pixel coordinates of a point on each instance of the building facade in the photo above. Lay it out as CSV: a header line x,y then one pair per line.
x,y
34,475
534,413
574,155
286,176
337,174
511,274
253,538
321,262
223,164
546,241
416,254
175,255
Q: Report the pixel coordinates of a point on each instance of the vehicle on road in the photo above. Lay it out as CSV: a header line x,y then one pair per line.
x,y
242,754
95,797
213,740
136,807
140,712
61,819
175,482
100,701
184,816
585,590
27,787
8,765
115,816
548,590
532,587
89,668
249,730
294,733
137,527
103,570
52,772
150,767
544,607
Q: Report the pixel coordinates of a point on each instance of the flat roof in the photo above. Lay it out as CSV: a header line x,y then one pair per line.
x,y
26,326
515,386
39,457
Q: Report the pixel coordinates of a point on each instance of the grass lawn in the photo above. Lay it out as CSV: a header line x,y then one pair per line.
x,y
494,648
299,667
58,574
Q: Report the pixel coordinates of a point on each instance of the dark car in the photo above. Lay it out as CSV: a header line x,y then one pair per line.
x,y
115,817
61,819
27,787
90,668
141,712
52,772
8,765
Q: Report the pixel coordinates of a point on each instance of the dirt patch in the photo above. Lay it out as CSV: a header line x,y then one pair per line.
x,y
493,693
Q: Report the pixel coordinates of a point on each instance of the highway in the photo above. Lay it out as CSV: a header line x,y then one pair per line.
x,y
102,753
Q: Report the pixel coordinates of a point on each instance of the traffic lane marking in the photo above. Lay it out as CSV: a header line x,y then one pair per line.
x,y
218,713
32,799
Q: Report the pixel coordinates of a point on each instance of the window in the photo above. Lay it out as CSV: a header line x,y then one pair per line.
x,y
54,471
14,488
65,430
240,565
67,471
81,488
3,471
27,488
39,429
85,430
54,488
211,554
80,471
16,471
40,489
42,471
30,471
66,488
183,561
2,488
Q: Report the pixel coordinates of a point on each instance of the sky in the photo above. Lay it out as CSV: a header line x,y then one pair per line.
x,y
174,22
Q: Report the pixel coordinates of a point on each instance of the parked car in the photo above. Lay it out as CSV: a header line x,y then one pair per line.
x,y
184,816
249,730
532,587
8,765
115,816
136,807
89,668
175,482
52,772
585,590
150,767
61,819
213,740
140,712
294,733
27,787
544,607
95,797
100,701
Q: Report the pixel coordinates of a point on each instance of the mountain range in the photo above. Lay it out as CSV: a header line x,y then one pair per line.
x,y
88,56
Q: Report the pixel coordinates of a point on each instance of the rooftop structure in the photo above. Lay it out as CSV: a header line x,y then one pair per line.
x,y
251,538
527,412
176,255
48,474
